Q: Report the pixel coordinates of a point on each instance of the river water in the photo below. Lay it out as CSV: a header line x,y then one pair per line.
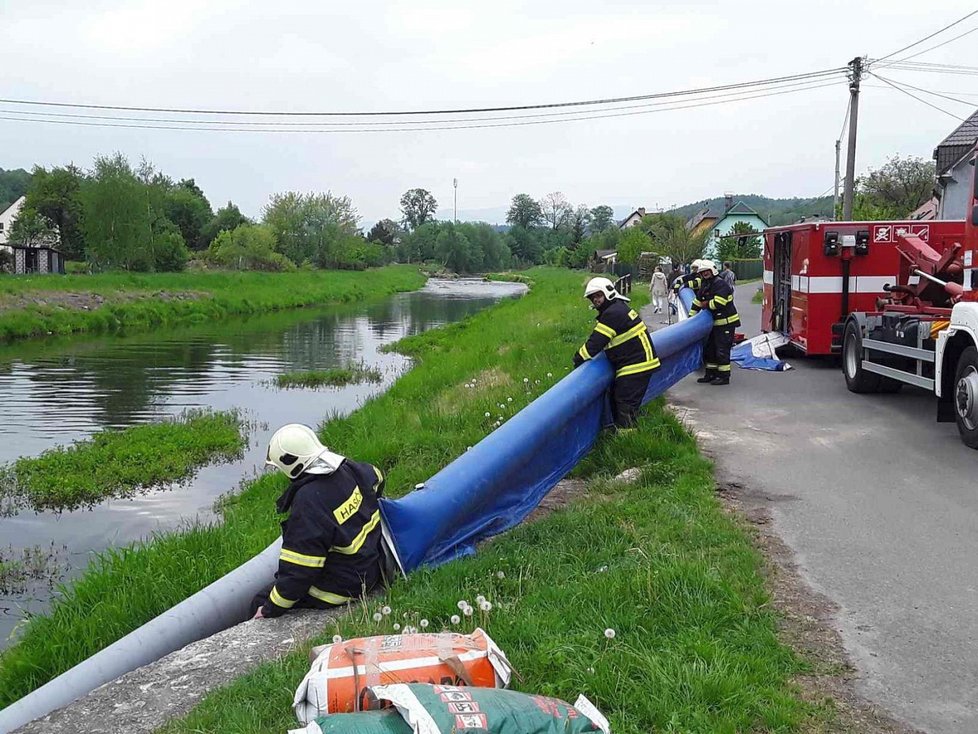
x,y
54,393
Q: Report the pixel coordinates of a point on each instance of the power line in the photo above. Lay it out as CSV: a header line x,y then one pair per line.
x,y
943,91
925,91
29,114
934,48
920,66
845,121
472,110
478,125
924,101
927,38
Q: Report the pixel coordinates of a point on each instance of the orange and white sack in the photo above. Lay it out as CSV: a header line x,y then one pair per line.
x,y
341,672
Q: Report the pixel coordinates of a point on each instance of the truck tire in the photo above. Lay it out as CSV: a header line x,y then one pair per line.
x,y
966,397
857,379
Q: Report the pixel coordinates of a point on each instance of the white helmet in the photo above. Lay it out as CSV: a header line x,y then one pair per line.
x,y
708,265
697,264
295,448
604,286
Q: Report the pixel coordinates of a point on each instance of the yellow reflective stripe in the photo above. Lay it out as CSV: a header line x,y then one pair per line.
x,y
583,352
605,330
634,369
723,368
710,365
328,596
937,327
349,508
301,559
632,314
735,319
380,477
357,544
279,600
721,300
635,331
647,346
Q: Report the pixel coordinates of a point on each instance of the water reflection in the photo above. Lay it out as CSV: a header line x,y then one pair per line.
x,y
57,392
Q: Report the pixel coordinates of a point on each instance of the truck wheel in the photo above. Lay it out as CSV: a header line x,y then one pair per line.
x,y
857,379
966,397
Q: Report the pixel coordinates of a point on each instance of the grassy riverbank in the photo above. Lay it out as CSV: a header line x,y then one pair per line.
x,y
119,463
657,561
41,305
329,378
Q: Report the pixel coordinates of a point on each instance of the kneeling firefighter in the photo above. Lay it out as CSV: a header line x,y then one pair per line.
x,y
716,296
623,336
332,546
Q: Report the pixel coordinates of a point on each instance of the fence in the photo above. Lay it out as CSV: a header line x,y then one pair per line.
x,y
624,284
747,269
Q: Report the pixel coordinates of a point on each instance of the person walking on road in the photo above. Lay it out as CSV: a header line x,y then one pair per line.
x,y
622,335
659,287
332,549
716,296
729,275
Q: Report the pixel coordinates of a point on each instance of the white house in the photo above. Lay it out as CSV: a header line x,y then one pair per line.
x,y
953,159
632,219
7,217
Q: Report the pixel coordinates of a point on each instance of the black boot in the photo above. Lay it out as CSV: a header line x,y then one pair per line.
x,y
722,378
708,377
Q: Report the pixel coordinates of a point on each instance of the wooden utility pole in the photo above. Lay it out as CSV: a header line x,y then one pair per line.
x,y
855,75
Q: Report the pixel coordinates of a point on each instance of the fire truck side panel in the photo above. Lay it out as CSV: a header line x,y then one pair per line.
x,y
819,303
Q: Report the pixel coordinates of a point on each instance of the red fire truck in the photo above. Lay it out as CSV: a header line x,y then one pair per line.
x,y
897,300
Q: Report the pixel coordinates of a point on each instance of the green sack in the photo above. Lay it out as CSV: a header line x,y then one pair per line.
x,y
369,722
433,709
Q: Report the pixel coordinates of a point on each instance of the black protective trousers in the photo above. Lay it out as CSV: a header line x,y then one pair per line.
x,y
626,398
716,355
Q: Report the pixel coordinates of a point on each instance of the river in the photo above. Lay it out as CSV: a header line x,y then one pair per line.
x,y
54,393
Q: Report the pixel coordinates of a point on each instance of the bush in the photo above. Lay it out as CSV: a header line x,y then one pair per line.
x,y
77,267
248,247
170,253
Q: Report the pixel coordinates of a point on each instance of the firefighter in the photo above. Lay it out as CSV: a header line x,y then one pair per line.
x,y
332,550
623,336
692,279
716,296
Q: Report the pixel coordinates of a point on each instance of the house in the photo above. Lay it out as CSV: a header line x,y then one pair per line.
x,y
954,170
704,219
926,211
632,219
7,217
724,223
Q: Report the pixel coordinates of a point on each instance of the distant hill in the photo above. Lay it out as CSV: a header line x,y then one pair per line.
x,y
775,211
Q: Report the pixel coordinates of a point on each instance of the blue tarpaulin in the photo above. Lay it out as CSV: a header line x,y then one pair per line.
x,y
498,482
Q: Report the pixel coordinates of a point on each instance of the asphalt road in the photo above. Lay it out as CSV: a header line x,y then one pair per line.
x,y
879,503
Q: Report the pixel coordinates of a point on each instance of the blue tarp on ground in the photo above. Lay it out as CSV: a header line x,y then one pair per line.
x,y
498,482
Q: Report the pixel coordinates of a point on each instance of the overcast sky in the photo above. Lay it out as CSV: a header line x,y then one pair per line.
x,y
364,55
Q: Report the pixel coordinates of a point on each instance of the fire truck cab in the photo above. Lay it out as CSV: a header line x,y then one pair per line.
x,y
897,300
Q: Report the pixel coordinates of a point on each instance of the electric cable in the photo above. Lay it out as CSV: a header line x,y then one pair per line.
x,y
927,38
924,101
925,91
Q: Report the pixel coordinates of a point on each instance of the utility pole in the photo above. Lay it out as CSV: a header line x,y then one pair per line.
x,y
835,197
855,75
455,184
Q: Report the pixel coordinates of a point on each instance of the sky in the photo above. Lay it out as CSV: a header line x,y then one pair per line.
x,y
429,54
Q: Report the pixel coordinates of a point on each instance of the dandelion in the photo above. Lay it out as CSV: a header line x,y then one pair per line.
x,y
378,616
424,623
602,569
337,639
385,610
526,380
405,615
485,606
456,619
467,611
479,599
509,400
500,575
487,414
591,671
550,374
468,448
609,633
462,604
396,626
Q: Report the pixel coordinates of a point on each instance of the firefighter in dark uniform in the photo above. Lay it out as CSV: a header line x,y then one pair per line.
x,y
624,338
332,549
692,279
716,296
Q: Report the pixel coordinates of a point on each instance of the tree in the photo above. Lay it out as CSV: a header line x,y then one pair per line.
x,y
189,211
524,212
896,189
579,219
118,217
741,243
13,185
321,229
455,251
170,253
633,243
248,247
227,218
418,206
602,217
525,244
674,240
32,229
386,232
556,210
55,195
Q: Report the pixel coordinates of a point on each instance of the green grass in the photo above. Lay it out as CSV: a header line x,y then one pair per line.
x,y
42,305
329,378
758,296
117,463
695,649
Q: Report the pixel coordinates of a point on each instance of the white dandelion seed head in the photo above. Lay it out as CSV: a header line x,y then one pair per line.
x,y
456,619
462,604
609,633
467,611
509,400
378,616
385,610
500,575
487,414
591,671
526,379
550,374
485,606
405,615
337,639
479,599
424,623
396,626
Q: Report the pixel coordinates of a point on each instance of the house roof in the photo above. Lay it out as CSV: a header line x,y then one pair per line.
x,y
741,208
604,253
950,150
